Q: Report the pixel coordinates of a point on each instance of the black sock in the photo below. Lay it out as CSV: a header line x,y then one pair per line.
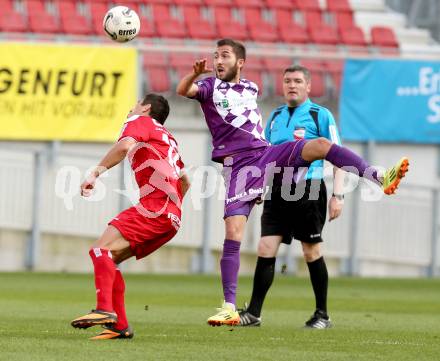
x,y
263,278
319,278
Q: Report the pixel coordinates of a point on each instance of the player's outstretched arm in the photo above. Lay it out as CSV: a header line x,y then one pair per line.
x,y
184,183
113,157
186,86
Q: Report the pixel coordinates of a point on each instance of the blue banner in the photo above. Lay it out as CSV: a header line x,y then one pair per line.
x,y
390,101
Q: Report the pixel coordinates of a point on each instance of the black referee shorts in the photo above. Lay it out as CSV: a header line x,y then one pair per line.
x,y
302,219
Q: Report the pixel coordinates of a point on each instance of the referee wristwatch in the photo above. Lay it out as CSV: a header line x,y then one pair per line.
x,y
339,197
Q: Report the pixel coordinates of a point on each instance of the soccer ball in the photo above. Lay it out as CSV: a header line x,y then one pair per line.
x,y
121,24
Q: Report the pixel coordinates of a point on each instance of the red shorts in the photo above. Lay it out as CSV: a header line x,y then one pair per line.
x,y
146,233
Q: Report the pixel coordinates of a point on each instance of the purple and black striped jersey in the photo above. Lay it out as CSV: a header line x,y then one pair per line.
x,y
232,115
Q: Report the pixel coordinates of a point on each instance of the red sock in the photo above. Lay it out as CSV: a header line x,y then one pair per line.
x,y
118,301
105,270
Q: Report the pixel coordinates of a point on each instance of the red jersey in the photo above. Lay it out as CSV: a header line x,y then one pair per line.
x,y
156,163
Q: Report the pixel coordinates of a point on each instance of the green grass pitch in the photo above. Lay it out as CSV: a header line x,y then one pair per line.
x,y
374,319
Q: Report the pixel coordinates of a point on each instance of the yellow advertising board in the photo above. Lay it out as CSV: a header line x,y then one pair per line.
x,y
65,92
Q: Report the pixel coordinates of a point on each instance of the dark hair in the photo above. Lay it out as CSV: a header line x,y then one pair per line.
x,y
159,107
238,48
301,69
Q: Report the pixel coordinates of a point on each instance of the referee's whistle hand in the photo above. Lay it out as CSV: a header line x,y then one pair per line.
x,y
334,208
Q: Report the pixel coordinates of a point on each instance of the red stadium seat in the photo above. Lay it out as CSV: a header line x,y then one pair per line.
x,y
334,68
283,17
198,27
161,12
318,85
294,34
98,10
276,67
34,7
164,2
254,63
260,29
228,26
313,19
97,27
279,4
219,2
67,8
156,67
313,65
289,31
323,34
78,25
188,2
254,76
278,84
130,4
155,59
13,22
72,22
316,68
148,30
249,3
223,14
191,13
263,32
171,28
232,29
43,23
277,64
182,63
252,70
344,19
338,5
6,6
167,26
383,37
40,21
185,60
208,57
201,29
252,15
307,5
352,36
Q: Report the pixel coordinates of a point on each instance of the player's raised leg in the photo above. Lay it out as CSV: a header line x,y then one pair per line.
x,y
342,157
229,266
105,274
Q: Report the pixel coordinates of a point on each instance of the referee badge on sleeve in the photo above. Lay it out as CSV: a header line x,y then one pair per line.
x,y
299,133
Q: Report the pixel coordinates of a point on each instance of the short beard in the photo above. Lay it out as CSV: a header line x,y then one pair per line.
x,y
230,75
297,102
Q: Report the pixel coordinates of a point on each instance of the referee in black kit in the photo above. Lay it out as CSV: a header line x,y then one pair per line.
x,y
302,219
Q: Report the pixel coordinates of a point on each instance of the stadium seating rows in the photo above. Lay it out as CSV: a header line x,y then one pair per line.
x,y
163,70
289,21
263,21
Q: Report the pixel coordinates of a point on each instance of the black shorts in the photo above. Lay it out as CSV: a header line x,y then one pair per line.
x,y
302,219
